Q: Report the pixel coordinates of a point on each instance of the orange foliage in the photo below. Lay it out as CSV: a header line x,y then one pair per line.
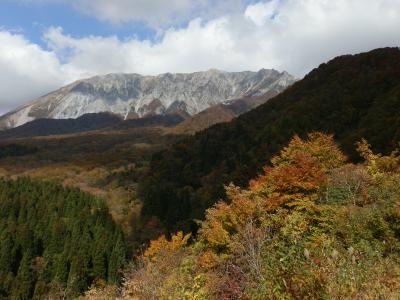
x,y
208,260
161,246
274,240
299,171
302,177
298,174
224,219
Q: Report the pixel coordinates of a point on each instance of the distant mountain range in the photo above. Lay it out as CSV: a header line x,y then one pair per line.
x,y
133,96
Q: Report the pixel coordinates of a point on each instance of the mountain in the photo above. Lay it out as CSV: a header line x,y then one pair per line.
x,y
352,97
169,120
87,122
44,127
220,113
135,96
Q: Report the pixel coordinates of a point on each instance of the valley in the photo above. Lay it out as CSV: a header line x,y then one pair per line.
x,y
105,163
106,153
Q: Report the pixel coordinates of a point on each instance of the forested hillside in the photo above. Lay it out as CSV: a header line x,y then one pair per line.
x,y
44,127
55,241
312,226
352,97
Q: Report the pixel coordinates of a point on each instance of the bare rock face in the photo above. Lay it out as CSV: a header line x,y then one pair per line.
x,y
135,96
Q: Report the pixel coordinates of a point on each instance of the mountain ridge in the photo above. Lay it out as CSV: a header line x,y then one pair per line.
x,y
136,96
221,113
351,97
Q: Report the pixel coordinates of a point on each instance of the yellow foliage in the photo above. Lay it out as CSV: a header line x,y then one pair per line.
x,y
305,229
162,245
208,260
378,165
297,176
100,291
318,145
224,220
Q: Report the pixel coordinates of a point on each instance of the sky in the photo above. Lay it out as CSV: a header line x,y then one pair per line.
x,y
46,44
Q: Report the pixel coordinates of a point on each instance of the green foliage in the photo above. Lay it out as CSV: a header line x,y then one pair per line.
x,y
50,234
117,259
10,150
351,97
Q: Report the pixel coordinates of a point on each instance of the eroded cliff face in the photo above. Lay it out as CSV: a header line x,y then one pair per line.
x,y
136,96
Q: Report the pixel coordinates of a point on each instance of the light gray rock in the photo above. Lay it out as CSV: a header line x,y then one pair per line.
x,y
136,96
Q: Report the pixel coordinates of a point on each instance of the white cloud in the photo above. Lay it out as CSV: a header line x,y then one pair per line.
x,y
199,46
154,13
26,70
261,12
292,35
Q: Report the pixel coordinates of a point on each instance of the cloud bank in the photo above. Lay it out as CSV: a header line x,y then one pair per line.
x,y
291,35
155,13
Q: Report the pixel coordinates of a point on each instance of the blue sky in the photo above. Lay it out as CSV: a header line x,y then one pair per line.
x,y
45,44
32,19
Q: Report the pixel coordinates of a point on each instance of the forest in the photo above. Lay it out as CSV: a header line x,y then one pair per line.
x,y
296,199
55,241
311,226
351,97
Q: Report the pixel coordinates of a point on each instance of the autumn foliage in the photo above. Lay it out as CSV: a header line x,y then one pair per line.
x,y
310,227
162,245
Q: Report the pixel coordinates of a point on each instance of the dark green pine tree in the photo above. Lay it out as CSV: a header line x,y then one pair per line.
x,y
70,234
25,279
7,255
77,279
99,261
117,260
62,268
6,283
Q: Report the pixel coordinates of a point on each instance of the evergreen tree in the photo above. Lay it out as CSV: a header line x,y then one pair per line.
x,y
24,282
54,236
117,260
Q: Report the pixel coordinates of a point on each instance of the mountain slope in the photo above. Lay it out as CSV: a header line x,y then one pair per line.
x,y
44,127
220,113
311,227
136,96
352,96
85,123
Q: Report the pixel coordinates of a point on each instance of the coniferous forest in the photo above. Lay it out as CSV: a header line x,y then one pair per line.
x,y
54,238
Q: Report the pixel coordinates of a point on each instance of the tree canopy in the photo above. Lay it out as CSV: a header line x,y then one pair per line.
x,y
351,97
312,226
54,239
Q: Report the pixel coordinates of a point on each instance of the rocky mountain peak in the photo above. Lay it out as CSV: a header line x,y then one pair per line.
x,y
136,96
